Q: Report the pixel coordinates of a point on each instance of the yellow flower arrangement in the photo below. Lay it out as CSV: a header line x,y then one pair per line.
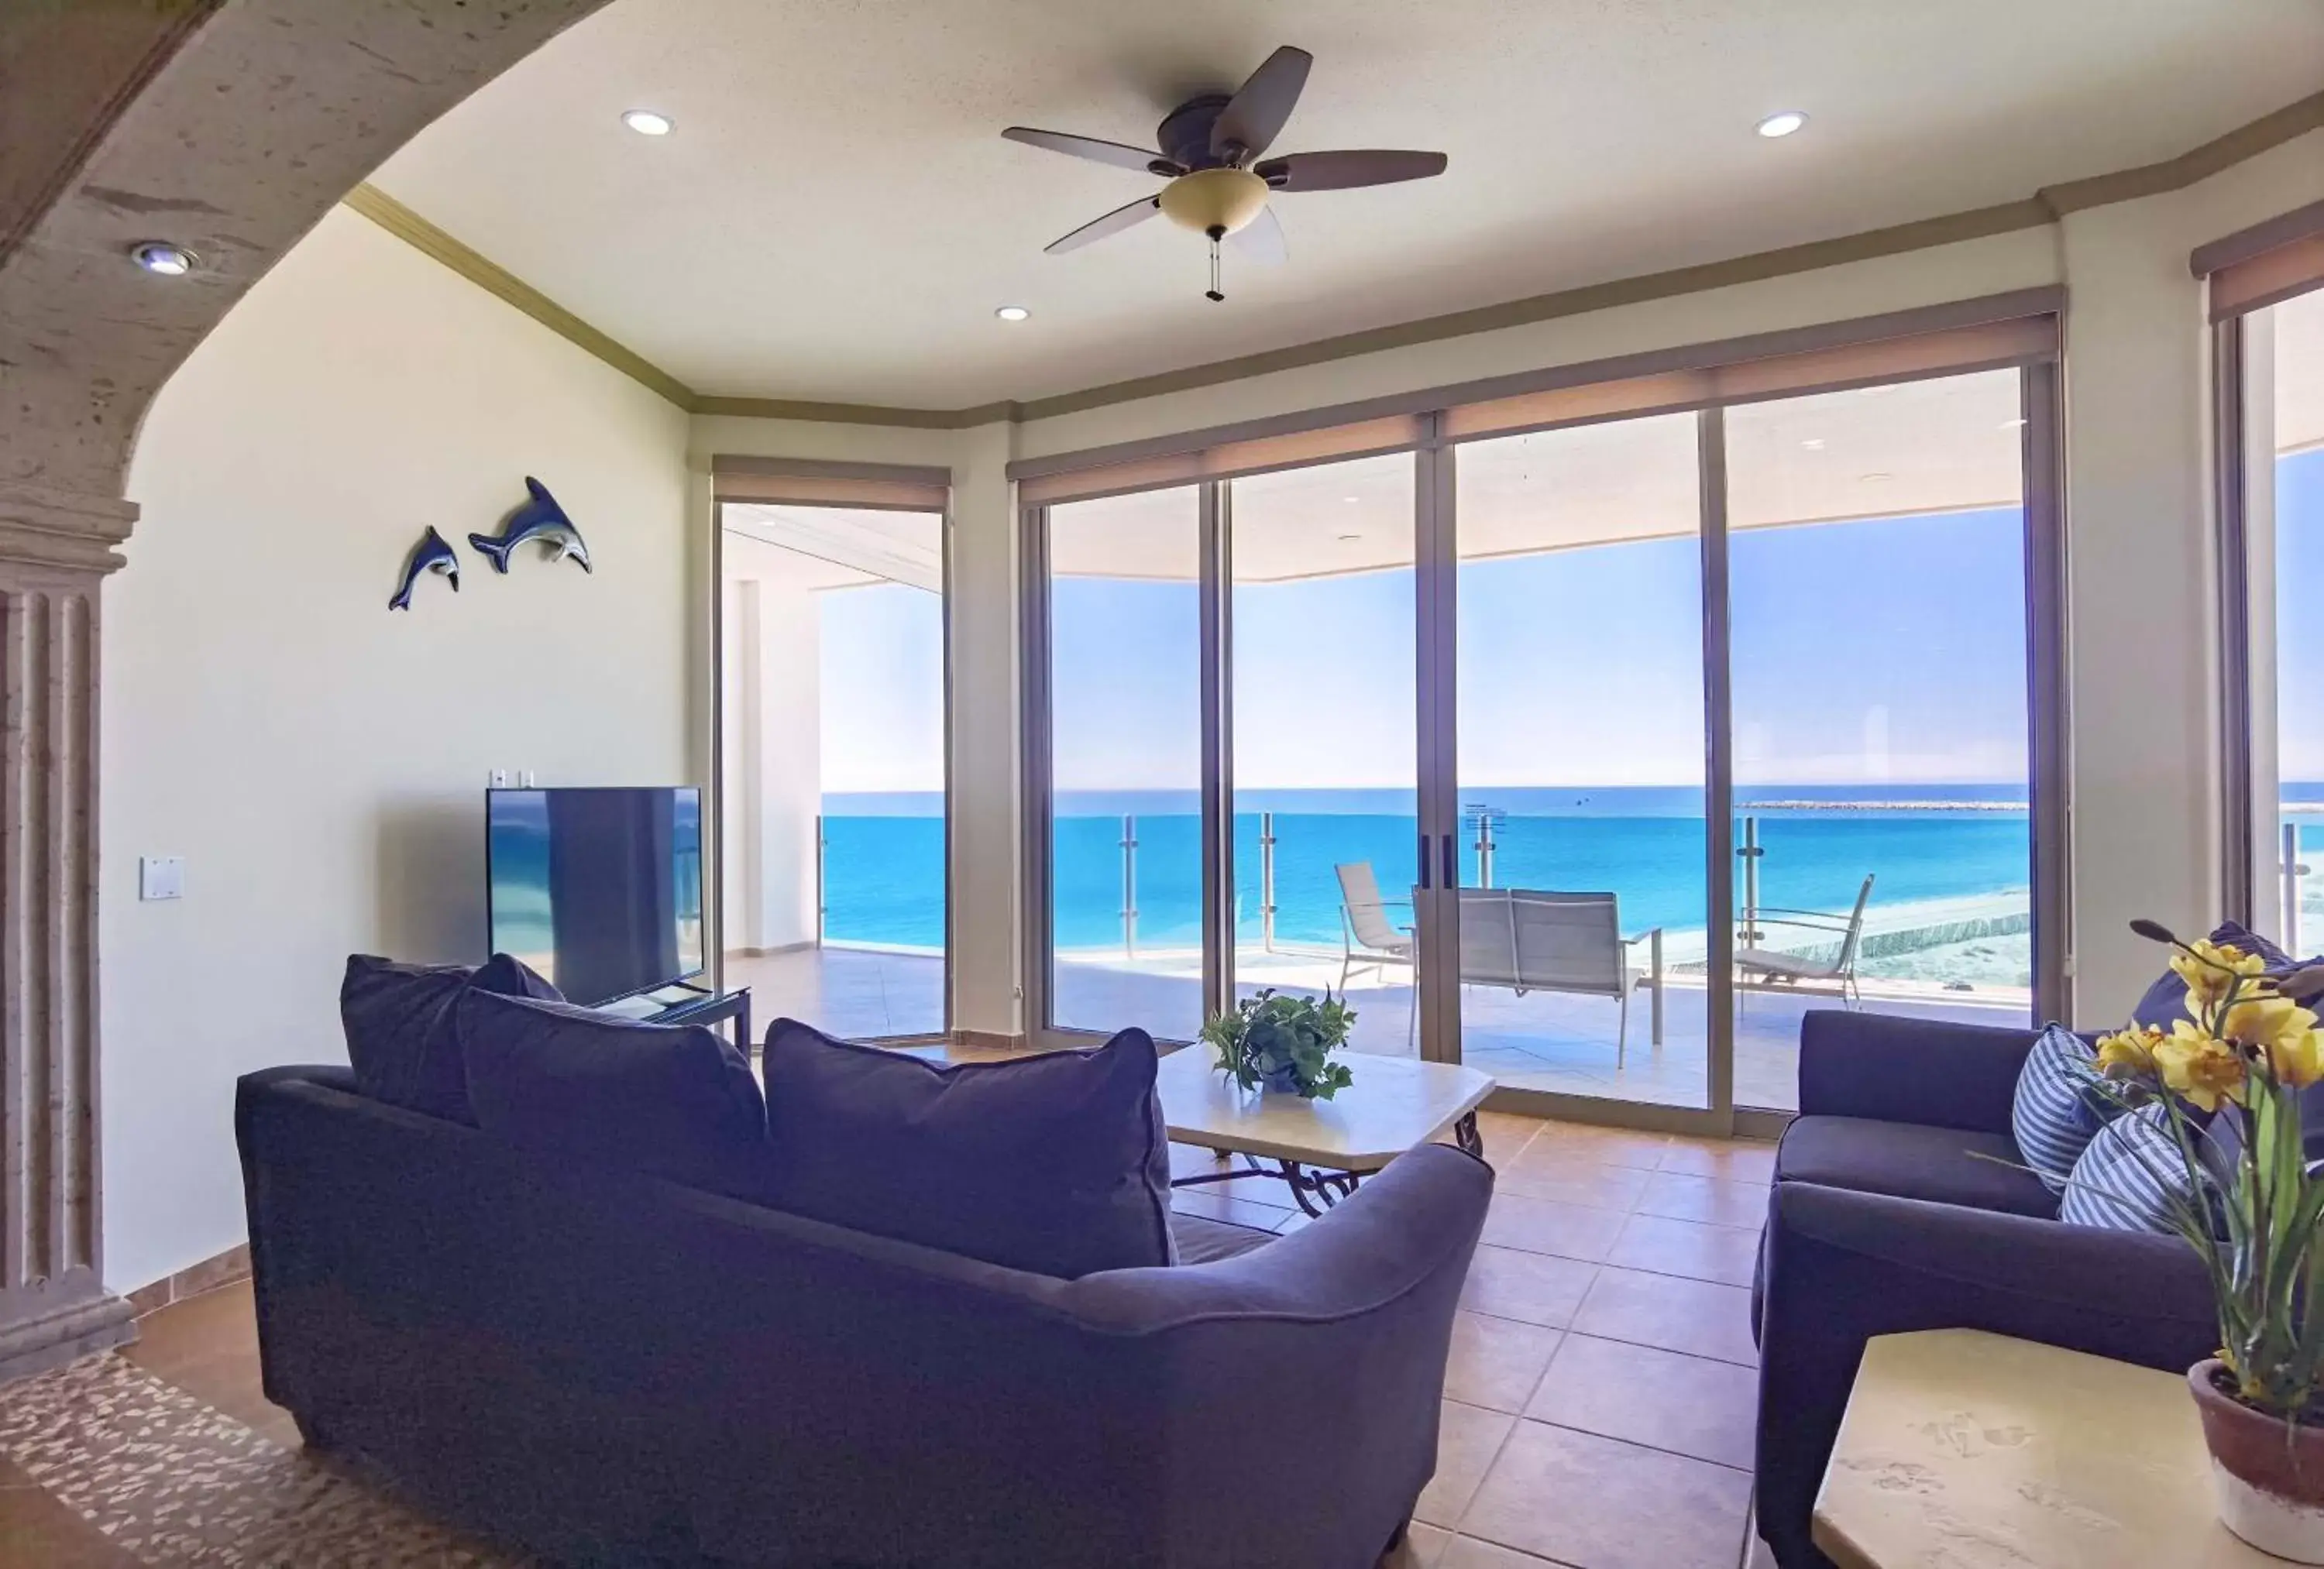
x,y
2247,1204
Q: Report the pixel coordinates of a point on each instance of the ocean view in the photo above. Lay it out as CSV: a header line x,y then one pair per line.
x,y
1956,854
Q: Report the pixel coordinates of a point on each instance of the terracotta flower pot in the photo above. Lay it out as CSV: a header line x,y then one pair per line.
x,y
2270,1484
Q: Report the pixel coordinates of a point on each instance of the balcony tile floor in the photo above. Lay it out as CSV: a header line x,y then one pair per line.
x,y
1599,1401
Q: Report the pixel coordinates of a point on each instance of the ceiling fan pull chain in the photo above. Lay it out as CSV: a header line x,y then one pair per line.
x,y
1212,294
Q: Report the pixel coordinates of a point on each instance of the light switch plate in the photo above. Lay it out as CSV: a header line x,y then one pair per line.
x,y
501,778
160,877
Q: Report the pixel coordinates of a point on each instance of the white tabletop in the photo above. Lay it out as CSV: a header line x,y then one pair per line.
x,y
1964,1450
1395,1103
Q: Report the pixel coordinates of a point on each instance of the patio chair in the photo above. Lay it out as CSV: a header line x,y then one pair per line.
x,y
1369,940
1535,940
1770,967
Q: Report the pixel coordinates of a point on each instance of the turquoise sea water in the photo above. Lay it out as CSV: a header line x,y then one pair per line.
x,y
884,856
883,860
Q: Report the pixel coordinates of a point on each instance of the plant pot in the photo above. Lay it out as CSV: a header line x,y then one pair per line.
x,y
2269,1485
1283,1080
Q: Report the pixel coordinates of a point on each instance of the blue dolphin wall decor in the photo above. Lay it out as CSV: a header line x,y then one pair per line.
x,y
430,554
539,519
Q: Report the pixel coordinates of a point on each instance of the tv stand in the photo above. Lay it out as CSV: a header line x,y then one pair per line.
x,y
707,1008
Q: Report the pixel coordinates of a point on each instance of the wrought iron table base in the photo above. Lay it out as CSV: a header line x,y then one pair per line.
x,y
1316,1190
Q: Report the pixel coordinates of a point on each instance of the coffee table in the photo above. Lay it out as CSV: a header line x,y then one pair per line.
x,y
1321,1149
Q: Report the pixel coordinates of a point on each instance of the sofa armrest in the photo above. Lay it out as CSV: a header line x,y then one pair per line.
x,y
1843,1266
1331,1340
1894,1070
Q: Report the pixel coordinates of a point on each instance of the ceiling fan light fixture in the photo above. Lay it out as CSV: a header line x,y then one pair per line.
x,y
1214,199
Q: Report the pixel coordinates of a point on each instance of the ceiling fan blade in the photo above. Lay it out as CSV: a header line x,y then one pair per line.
x,y
1113,222
1254,117
1120,154
1345,170
1261,240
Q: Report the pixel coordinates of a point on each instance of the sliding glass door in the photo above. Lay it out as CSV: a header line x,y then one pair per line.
x,y
1323,780
833,806
1580,767
1877,598
1126,890
1587,737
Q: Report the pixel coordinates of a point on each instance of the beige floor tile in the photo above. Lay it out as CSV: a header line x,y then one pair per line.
x,y
1496,1363
1689,1405
1423,1547
1506,1136
1467,1437
1532,1288
208,1346
1556,1174
1706,1199
1598,1504
1732,1160
1232,1208
1695,1317
1611,1146
1723,1254
1470,1552
1541,1225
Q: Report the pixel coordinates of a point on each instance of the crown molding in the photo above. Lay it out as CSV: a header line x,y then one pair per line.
x,y
2046,207
494,279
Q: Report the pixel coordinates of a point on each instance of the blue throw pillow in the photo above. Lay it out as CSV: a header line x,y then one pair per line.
x,y
589,1090
2132,1175
1055,1163
2055,1113
402,1038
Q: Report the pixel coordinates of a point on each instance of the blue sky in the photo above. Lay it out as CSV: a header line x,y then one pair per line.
x,y
1886,650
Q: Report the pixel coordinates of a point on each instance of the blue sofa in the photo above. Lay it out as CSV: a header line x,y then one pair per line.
x,y
603,1368
1880,1221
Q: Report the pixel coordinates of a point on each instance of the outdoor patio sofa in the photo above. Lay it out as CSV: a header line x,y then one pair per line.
x,y
601,1367
1882,1219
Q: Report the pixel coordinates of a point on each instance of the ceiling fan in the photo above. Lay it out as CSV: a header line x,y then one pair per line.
x,y
1211,149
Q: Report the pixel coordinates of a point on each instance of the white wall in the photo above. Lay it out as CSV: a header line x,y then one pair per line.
x,y
319,760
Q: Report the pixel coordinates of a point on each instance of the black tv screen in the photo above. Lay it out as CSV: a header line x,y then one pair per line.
x,y
599,890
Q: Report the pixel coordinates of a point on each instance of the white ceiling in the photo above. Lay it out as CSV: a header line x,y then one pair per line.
x,y
836,216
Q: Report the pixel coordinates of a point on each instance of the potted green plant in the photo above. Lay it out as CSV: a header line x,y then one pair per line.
x,y
2228,1078
1282,1043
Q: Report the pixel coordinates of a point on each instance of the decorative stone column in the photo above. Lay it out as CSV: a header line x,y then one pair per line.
x,y
55,550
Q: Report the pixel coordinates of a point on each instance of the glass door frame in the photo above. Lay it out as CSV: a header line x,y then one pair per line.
x,y
840,487
1434,439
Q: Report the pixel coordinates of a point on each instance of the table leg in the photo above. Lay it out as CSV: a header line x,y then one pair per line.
x,y
1465,1134
1317,1191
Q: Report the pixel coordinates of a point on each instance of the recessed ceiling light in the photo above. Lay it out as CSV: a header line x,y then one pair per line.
x,y
646,123
1875,478
1813,444
1782,124
159,256
1351,500
1350,538
1012,313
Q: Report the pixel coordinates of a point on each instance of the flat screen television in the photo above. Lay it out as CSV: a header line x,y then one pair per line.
x,y
600,890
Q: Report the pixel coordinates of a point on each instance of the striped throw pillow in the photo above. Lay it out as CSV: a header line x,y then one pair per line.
x,y
2129,1177
2055,1113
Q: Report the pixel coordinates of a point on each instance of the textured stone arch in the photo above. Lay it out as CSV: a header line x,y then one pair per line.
x,y
231,129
